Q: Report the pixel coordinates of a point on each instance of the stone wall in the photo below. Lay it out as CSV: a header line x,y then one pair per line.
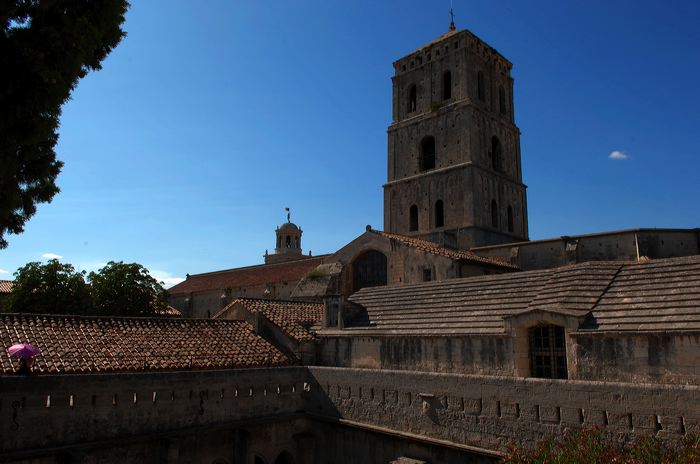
x,y
206,304
668,358
492,412
317,414
639,357
459,354
45,412
605,246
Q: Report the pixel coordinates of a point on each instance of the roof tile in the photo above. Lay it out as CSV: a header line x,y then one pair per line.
x,y
433,248
261,274
78,344
294,318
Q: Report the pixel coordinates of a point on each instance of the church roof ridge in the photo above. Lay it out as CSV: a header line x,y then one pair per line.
x,y
434,248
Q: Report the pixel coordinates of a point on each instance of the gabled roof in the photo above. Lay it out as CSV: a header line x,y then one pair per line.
x,y
6,286
431,247
660,295
294,318
250,276
76,344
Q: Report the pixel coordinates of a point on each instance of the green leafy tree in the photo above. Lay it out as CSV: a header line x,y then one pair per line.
x,y
51,288
46,46
120,289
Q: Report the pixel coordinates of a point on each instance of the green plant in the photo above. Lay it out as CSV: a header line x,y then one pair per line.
x,y
596,446
316,273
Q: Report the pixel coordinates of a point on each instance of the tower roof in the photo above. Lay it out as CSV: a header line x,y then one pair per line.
x,y
289,226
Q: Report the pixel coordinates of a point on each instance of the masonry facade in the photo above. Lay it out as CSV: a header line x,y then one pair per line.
x,y
454,172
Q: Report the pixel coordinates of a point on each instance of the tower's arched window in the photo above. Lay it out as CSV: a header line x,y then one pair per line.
x,y
496,154
494,213
480,85
279,241
447,85
296,242
510,219
502,100
412,99
288,241
427,153
413,218
547,351
439,214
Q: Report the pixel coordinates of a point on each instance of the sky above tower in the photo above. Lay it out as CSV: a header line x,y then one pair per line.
x,y
210,118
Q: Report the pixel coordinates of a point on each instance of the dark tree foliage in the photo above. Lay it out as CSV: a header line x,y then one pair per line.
x,y
51,288
120,289
46,46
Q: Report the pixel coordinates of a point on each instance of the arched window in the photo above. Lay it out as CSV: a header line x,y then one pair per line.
x,y
439,214
447,85
547,351
412,98
502,100
369,270
279,241
496,154
511,226
288,241
480,85
296,242
494,213
413,218
427,154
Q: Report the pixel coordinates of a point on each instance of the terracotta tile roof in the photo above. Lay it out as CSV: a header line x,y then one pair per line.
x,y
294,318
5,286
75,344
431,247
262,274
659,295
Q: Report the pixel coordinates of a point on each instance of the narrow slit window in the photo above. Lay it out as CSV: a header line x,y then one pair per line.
x,y
413,218
439,214
427,154
494,213
447,85
496,154
412,99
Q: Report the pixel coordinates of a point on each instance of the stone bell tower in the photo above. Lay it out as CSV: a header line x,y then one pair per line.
x,y
454,174
288,243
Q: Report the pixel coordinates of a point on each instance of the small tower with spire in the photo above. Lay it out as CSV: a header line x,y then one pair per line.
x,y
287,244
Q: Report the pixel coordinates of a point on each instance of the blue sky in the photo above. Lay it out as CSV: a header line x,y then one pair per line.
x,y
207,121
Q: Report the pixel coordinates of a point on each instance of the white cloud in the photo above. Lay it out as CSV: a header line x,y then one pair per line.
x,y
51,256
3,271
618,155
167,278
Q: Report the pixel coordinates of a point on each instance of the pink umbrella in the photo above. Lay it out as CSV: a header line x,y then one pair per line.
x,y
23,350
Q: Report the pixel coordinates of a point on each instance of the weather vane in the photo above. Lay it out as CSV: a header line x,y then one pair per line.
x,y
289,219
452,18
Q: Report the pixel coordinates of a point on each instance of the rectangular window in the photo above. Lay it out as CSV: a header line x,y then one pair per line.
x,y
547,352
427,275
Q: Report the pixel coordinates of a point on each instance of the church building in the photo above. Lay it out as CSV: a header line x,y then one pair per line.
x,y
444,338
